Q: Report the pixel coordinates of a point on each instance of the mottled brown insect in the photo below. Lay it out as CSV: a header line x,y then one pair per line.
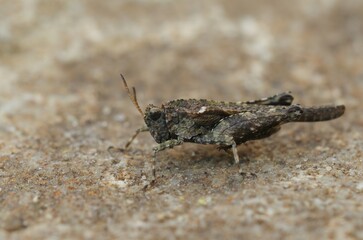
x,y
226,124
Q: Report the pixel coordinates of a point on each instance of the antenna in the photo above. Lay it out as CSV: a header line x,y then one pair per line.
x,y
132,96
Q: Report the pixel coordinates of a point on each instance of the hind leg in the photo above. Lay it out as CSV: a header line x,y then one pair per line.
x,y
240,128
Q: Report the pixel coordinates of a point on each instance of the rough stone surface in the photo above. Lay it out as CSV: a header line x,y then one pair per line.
x,y
62,105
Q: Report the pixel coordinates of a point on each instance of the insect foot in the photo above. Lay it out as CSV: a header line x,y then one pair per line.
x,y
226,124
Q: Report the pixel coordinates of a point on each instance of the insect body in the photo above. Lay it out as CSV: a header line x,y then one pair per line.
x,y
226,124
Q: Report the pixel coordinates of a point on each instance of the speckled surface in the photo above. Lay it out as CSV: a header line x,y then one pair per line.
x,y
62,105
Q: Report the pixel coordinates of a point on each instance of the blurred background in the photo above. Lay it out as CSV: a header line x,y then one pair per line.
x,y
228,50
62,102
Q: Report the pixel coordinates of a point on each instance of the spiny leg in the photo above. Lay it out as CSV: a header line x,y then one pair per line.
x,y
284,99
162,146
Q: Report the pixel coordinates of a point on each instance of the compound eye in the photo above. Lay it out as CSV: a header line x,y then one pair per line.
x,y
155,115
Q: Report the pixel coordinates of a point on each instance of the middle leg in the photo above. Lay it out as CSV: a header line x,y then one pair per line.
x,y
162,146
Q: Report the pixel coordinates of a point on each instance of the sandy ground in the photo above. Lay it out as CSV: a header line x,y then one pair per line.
x,y
62,105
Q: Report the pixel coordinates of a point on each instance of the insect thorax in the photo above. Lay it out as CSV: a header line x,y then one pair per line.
x,y
156,123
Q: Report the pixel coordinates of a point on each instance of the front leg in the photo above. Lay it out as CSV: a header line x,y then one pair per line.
x,y
162,146
113,150
142,129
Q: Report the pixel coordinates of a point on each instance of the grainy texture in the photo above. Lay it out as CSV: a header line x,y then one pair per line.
x,y
62,105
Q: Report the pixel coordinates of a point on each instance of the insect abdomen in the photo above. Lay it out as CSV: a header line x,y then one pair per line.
x,y
321,113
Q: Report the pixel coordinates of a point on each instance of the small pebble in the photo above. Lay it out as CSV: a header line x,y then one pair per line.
x,y
119,117
360,186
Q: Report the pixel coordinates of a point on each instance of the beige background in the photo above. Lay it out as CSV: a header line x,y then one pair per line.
x,y
62,105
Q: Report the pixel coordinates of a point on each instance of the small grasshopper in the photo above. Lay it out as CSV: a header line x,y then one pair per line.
x,y
227,124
